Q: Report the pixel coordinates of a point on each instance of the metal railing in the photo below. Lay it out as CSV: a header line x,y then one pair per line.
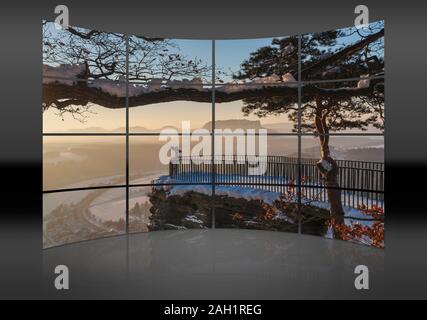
x,y
361,182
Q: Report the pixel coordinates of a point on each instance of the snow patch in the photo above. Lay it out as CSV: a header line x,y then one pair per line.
x,y
268,79
326,165
194,219
364,83
195,83
288,77
282,216
287,80
114,88
62,71
173,226
118,88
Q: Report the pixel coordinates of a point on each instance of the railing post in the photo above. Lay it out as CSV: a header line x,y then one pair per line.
x,y
170,169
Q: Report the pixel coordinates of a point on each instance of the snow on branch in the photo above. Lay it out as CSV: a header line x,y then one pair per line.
x,y
63,73
112,95
286,80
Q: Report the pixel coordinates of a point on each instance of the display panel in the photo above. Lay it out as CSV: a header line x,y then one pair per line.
x,y
349,107
171,62
160,159
177,116
152,139
74,216
345,191
343,53
170,207
261,111
255,61
80,53
83,161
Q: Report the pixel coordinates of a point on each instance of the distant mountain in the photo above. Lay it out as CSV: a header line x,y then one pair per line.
x,y
235,124
219,124
284,127
87,130
117,130
358,149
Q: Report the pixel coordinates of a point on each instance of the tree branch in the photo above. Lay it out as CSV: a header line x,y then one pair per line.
x,y
81,92
347,51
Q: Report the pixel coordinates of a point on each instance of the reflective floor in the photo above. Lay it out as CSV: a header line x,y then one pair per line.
x,y
214,264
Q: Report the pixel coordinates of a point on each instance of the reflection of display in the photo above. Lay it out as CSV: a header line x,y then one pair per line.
x,y
100,88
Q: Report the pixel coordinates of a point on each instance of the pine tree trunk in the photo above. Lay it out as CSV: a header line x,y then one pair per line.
x,y
328,167
333,190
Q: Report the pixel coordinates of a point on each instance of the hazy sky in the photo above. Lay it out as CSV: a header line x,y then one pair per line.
x,y
153,116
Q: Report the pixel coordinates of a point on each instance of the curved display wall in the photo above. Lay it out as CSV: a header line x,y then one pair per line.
x,y
282,134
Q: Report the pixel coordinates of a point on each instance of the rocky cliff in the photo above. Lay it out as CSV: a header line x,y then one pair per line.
x,y
194,210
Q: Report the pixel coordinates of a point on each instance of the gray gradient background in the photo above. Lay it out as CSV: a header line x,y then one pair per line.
x,y
21,257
